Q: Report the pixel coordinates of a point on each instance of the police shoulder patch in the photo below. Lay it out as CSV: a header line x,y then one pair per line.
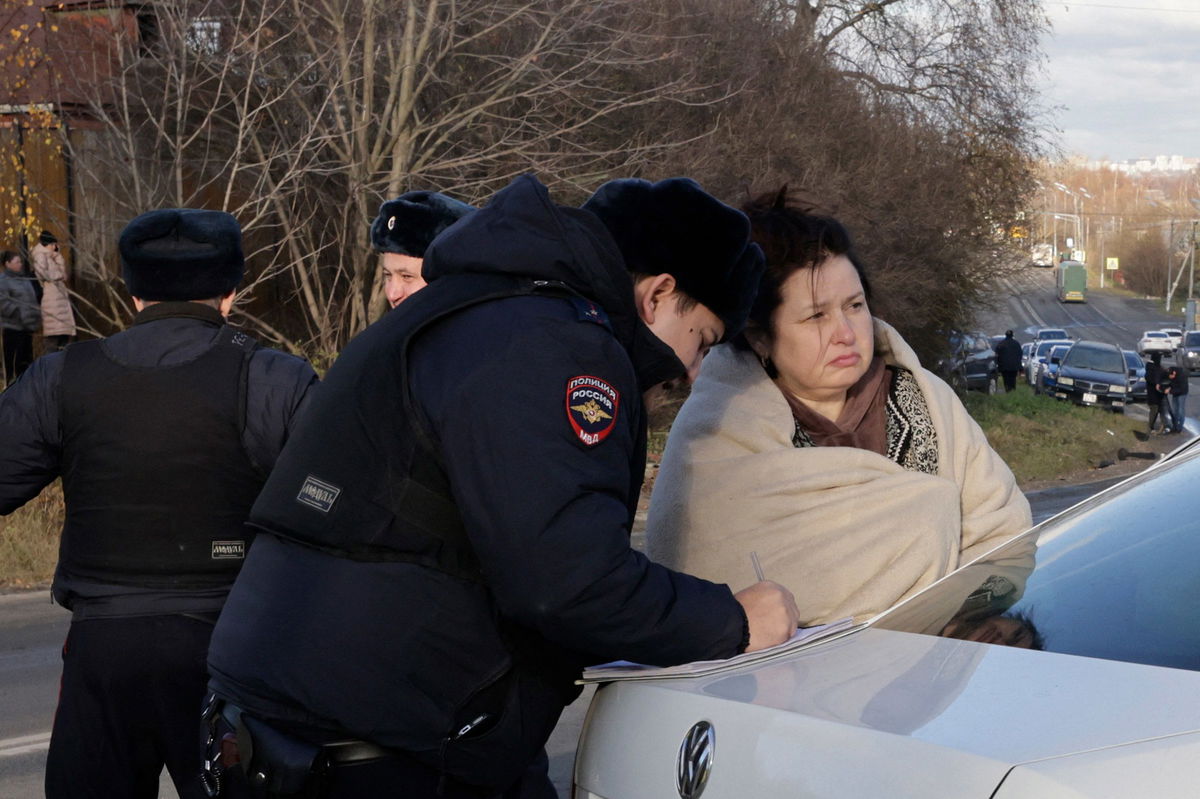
x,y
588,311
592,408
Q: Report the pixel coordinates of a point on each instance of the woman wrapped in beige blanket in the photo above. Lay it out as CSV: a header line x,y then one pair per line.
x,y
819,442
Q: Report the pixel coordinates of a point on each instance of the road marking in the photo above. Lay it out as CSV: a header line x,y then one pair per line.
x,y
1032,313
25,744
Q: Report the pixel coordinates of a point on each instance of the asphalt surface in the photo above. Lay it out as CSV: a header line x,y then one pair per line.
x,y
32,629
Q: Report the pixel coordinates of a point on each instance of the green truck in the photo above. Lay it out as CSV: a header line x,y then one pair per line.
x,y
1072,281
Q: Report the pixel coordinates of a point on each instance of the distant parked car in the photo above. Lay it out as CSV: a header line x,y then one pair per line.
x,y
1048,374
1051,334
1154,341
1136,369
1094,373
1036,356
971,363
1175,335
1189,353
1026,348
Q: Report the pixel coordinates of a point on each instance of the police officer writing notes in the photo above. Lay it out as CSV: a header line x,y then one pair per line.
x,y
163,435
400,233
462,491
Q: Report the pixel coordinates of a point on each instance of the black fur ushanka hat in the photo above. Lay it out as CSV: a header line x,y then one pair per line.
x,y
407,224
181,254
674,226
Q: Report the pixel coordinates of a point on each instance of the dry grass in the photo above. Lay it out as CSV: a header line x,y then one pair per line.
x,y
1041,438
29,541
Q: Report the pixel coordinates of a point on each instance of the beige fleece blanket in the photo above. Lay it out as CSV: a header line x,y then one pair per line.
x,y
848,531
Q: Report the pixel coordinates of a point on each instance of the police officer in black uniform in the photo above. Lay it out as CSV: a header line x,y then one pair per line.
x,y
462,492
401,232
163,435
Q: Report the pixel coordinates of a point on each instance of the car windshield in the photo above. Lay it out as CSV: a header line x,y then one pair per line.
x,y
1100,359
1155,334
1116,577
1132,361
1052,333
1193,339
1045,347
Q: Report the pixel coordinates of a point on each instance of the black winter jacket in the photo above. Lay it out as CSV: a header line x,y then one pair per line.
x,y
165,333
1008,355
19,305
404,654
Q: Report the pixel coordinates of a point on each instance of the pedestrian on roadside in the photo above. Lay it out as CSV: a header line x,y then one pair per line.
x,y
20,315
1175,386
462,491
58,317
162,435
1008,360
403,230
1156,401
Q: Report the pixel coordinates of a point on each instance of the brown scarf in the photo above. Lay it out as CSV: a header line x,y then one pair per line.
x,y
863,420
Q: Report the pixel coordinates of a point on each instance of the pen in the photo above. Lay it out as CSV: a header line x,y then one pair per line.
x,y
758,572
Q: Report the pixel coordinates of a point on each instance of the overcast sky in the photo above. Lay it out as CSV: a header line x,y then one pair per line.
x,y
1124,76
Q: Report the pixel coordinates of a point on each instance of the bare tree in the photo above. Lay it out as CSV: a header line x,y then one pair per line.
x,y
299,116
926,187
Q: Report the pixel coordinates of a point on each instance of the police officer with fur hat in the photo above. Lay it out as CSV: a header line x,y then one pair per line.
x,y
463,489
402,231
162,435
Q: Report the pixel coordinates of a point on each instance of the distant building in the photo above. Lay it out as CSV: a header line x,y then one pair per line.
x,y
1159,164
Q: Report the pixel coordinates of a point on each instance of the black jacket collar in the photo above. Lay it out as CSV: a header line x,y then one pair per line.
x,y
177,310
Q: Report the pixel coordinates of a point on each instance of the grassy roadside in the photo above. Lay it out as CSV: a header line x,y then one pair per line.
x,y
1044,439
29,541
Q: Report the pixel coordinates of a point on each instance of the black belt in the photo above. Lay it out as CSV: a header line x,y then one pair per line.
x,y
339,752
272,759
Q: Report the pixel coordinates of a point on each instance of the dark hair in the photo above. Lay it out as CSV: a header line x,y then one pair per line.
x,y
7,256
47,237
1036,640
792,238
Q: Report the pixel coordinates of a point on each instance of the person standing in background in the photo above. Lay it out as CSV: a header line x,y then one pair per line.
x,y
20,315
1008,360
1155,400
58,319
1175,386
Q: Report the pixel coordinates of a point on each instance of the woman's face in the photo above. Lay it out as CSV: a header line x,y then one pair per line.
x,y
822,338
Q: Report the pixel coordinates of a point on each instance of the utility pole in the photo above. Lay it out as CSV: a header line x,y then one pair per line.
x,y
1170,239
1189,316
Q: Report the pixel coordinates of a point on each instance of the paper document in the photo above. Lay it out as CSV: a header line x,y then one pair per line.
x,y
624,670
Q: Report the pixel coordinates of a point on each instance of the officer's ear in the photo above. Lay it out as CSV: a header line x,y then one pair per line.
x,y
650,293
225,303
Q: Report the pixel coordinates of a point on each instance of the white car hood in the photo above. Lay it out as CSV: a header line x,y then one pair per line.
x,y
881,712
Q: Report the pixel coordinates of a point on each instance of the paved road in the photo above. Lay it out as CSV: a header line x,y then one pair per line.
x,y
1030,303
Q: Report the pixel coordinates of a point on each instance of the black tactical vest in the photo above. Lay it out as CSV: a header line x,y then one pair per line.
x,y
157,481
362,479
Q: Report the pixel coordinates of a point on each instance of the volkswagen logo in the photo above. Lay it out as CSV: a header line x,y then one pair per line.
x,y
695,760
